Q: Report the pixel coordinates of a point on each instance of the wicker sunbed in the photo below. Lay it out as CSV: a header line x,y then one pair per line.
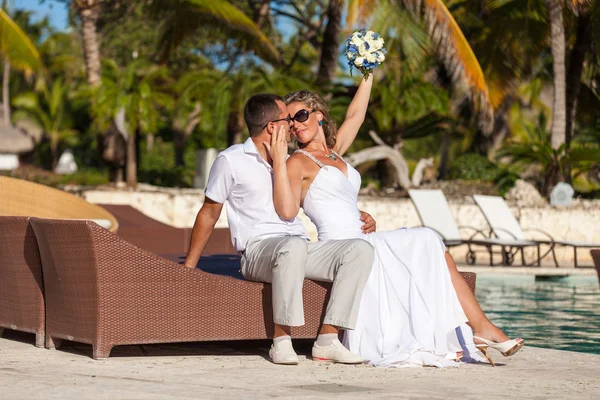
x,y
23,198
596,257
21,291
104,291
159,238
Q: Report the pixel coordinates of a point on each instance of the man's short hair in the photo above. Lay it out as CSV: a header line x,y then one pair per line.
x,y
259,110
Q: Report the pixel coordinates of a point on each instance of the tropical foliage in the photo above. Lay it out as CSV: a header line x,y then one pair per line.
x,y
491,89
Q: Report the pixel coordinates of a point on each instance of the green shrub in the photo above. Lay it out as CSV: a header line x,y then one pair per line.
x,y
157,167
475,167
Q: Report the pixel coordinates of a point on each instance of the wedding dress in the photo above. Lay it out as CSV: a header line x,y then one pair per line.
x,y
409,311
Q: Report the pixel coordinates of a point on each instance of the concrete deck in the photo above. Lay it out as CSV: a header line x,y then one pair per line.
x,y
239,370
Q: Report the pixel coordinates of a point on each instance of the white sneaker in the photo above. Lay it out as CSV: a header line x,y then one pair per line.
x,y
335,352
283,353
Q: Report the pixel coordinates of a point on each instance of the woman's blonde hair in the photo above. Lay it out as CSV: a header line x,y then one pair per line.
x,y
315,102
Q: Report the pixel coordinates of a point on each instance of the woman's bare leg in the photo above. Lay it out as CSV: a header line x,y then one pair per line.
x,y
478,321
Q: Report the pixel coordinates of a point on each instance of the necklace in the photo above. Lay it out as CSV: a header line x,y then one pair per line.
x,y
330,155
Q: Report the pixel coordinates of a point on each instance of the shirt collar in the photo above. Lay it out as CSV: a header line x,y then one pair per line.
x,y
250,149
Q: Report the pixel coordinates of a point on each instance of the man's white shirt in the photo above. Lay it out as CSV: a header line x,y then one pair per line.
x,y
243,180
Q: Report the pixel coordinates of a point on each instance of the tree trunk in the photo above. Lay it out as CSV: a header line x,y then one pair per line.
x,y
583,43
559,109
444,156
6,93
235,127
149,142
182,130
262,13
380,153
131,177
89,18
331,42
53,150
179,140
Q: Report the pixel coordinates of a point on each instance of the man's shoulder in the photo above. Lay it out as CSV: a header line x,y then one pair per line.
x,y
232,150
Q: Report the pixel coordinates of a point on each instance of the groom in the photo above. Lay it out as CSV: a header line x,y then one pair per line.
x,y
278,251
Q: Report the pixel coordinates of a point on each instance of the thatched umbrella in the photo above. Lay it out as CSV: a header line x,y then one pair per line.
x,y
14,140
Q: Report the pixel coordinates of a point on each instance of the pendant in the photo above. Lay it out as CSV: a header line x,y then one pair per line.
x,y
332,156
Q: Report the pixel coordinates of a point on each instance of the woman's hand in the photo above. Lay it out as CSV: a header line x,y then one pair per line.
x,y
369,225
278,149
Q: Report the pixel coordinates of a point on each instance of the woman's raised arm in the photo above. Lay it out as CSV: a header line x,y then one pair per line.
x,y
355,116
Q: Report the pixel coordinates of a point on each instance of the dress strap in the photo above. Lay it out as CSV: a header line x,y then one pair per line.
x,y
307,154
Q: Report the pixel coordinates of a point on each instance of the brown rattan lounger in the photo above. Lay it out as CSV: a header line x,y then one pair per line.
x,y
159,238
104,291
21,294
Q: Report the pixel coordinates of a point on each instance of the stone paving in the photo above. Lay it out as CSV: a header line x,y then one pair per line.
x,y
240,370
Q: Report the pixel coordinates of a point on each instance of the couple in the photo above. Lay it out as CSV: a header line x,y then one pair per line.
x,y
398,293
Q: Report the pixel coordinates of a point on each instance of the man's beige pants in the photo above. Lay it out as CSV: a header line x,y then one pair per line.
x,y
285,261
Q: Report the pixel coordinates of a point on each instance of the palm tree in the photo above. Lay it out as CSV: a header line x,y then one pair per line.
x,y
559,108
48,108
450,44
140,91
17,51
89,12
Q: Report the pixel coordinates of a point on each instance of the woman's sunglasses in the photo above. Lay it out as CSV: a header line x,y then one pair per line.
x,y
300,116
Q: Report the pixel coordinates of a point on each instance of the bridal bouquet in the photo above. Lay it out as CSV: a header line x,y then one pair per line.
x,y
365,51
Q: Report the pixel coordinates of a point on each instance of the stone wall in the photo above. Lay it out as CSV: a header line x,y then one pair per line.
x,y
580,222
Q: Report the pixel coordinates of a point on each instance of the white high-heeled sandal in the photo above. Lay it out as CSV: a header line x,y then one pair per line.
x,y
506,348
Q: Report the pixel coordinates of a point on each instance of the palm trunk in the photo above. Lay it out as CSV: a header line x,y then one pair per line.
x,y
235,127
559,109
89,18
54,150
6,93
331,42
131,174
262,13
149,142
583,43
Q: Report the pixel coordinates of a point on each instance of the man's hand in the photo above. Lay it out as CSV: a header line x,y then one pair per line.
x,y
370,225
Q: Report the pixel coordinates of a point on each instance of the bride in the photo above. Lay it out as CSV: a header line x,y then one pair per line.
x,y
415,298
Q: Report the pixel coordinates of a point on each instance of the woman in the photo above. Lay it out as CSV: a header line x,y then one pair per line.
x,y
415,297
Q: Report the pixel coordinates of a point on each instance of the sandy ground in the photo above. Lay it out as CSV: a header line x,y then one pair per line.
x,y
240,370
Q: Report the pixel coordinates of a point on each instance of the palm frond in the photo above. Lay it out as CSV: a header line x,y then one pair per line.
x,y
16,47
187,17
358,11
456,54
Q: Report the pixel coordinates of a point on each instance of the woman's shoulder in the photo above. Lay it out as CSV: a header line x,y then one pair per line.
x,y
299,161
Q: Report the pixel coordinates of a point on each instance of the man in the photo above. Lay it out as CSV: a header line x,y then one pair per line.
x,y
278,251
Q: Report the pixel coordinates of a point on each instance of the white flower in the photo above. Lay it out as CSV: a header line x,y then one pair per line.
x,y
359,61
356,40
380,57
362,50
371,57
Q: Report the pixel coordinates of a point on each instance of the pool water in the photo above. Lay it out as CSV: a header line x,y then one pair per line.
x,y
562,314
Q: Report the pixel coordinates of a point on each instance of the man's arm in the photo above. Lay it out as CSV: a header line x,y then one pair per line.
x,y
203,226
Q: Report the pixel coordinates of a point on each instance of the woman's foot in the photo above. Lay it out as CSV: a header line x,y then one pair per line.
x,y
491,333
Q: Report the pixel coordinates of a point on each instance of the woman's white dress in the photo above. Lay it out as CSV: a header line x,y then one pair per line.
x,y
409,311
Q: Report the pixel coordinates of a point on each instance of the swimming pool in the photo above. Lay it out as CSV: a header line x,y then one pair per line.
x,y
559,314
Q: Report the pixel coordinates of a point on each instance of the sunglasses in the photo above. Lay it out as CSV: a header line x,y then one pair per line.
x,y
300,116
